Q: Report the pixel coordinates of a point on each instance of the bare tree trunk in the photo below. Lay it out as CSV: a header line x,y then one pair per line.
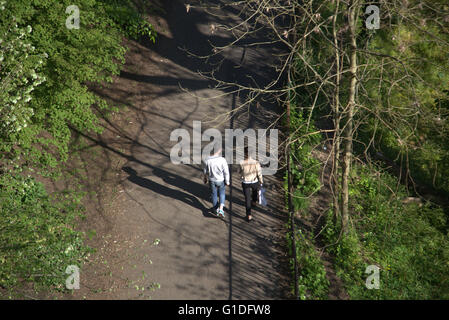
x,y
348,132
290,195
336,139
290,176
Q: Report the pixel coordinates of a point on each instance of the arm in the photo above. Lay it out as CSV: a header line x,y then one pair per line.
x,y
259,173
226,172
205,173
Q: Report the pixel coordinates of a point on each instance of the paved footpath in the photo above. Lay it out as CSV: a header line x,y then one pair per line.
x,y
177,244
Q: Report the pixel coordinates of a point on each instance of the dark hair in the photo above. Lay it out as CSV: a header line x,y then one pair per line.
x,y
246,152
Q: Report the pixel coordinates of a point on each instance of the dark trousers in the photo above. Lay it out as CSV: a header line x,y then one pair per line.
x,y
251,192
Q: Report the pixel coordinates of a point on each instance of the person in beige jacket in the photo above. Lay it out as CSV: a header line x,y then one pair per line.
x,y
251,174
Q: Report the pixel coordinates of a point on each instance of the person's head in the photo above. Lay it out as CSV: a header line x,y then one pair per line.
x,y
217,149
246,153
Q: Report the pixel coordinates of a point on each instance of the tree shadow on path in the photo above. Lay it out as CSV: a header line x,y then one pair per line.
x,y
166,191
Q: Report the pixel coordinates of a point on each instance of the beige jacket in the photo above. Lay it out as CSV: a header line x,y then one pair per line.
x,y
250,171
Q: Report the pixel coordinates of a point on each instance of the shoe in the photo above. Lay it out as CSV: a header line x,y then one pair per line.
x,y
249,218
220,213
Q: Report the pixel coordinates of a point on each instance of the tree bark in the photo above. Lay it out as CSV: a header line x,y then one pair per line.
x,y
336,107
290,195
349,114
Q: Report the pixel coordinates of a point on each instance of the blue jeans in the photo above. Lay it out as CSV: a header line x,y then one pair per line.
x,y
220,187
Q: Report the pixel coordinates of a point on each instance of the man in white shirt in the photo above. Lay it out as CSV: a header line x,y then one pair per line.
x,y
216,171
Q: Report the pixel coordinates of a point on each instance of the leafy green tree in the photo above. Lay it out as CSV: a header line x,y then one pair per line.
x,y
38,240
18,79
76,58
46,72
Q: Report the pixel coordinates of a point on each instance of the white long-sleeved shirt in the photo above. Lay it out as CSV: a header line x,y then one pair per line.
x,y
216,167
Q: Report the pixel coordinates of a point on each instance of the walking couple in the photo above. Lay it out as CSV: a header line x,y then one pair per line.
x,y
216,172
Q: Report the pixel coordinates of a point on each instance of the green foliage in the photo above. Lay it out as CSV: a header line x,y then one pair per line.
x,y
402,112
46,71
408,242
312,280
37,239
18,78
128,19
305,168
76,58
346,251
135,29
405,115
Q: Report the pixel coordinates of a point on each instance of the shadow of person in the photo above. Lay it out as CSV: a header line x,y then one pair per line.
x,y
165,191
195,189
